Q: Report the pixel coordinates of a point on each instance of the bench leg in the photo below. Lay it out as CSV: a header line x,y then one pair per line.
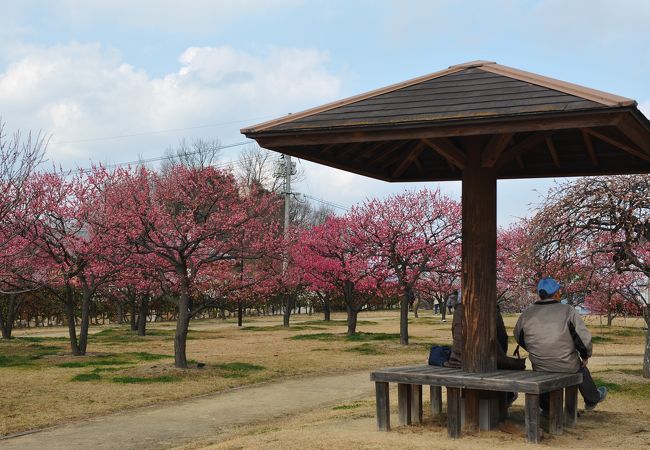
x,y
472,410
404,403
453,412
416,403
556,413
383,406
503,406
435,397
571,408
532,418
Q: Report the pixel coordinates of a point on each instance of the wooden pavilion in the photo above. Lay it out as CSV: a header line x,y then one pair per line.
x,y
476,122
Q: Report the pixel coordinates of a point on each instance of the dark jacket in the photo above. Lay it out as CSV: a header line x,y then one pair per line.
x,y
456,357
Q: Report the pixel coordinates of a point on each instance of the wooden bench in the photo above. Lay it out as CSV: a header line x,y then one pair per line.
x,y
410,380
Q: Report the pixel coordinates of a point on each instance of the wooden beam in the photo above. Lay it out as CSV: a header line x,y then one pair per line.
x,y
370,149
432,130
406,163
328,148
497,144
616,143
511,153
418,164
553,151
590,147
446,148
520,162
636,132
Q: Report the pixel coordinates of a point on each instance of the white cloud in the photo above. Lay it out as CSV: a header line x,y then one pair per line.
x,y
84,91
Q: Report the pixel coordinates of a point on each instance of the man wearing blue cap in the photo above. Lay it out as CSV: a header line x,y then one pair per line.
x,y
557,340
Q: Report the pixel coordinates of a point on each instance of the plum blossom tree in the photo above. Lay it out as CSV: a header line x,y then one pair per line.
x,y
194,224
610,213
410,234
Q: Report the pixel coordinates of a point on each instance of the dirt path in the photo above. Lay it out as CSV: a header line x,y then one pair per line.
x,y
200,418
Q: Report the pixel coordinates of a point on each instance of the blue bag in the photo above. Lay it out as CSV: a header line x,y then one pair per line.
x,y
439,355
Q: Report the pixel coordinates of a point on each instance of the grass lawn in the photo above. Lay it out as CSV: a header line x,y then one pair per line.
x,y
44,385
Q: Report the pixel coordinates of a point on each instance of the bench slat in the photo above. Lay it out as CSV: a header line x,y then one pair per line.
x,y
502,380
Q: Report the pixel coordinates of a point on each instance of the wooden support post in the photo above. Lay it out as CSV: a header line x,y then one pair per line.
x,y
503,406
435,397
471,410
453,412
532,418
404,403
479,195
555,413
571,407
383,406
416,403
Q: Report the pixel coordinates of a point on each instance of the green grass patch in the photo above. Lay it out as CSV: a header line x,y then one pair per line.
x,y
320,349
106,361
41,339
361,337
315,337
348,406
237,369
147,380
144,356
281,328
600,339
611,387
93,376
366,349
16,360
337,322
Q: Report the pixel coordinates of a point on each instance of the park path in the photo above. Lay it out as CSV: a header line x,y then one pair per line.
x,y
198,419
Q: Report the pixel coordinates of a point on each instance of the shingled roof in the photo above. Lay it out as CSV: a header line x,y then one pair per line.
x,y
410,131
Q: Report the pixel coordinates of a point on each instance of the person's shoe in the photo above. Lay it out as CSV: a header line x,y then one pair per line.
x,y
603,395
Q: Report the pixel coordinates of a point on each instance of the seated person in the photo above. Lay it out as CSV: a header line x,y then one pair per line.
x,y
557,340
503,361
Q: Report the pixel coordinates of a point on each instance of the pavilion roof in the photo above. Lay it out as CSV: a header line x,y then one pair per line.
x,y
532,126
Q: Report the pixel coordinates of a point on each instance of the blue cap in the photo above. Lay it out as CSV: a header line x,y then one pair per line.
x,y
549,285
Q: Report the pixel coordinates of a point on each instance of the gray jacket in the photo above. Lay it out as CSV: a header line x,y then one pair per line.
x,y
554,335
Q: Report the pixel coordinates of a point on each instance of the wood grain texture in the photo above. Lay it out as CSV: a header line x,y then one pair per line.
x,y
435,400
404,403
556,412
532,419
453,412
471,410
383,406
571,405
416,403
498,380
479,231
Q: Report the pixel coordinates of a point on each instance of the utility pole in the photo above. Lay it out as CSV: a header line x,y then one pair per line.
x,y
288,171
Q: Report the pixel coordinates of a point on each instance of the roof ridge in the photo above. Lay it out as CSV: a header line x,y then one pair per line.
x,y
359,97
604,98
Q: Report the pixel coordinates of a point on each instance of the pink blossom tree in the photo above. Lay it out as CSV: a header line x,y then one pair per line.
x,y
410,234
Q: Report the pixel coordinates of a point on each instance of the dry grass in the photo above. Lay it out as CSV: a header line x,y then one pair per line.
x,y
125,371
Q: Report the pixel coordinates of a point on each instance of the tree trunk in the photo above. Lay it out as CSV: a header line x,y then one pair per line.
x,y
142,317
289,302
70,316
610,317
133,304
404,318
352,320
182,327
119,313
85,319
240,314
443,310
326,310
7,319
646,354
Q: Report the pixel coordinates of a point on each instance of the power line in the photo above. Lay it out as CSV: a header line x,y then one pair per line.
x,y
326,202
148,133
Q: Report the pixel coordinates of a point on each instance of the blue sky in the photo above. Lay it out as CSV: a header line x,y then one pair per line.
x,y
88,72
